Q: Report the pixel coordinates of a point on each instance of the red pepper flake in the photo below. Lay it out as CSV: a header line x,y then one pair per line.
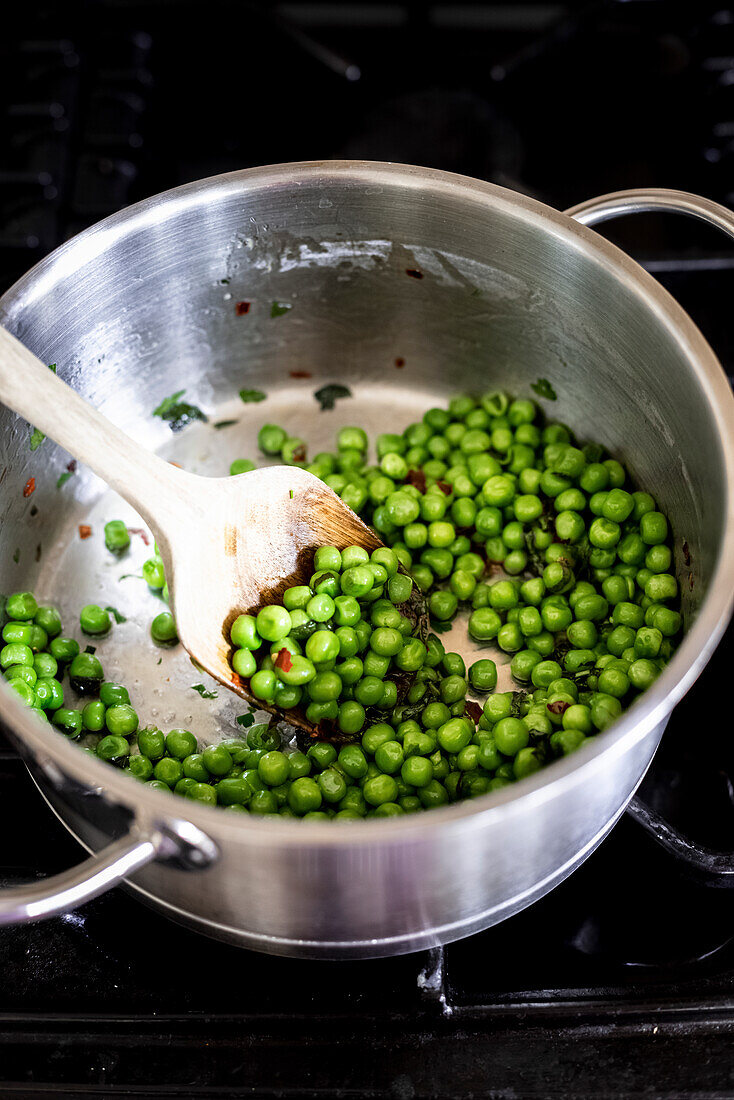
x,y
283,660
686,554
241,308
444,487
300,374
139,531
84,531
559,707
399,362
176,464
299,455
71,466
418,479
414,272
474,710
29,487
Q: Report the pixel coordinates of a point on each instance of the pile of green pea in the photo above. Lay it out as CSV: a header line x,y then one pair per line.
x,y
583,601
37,660
484,508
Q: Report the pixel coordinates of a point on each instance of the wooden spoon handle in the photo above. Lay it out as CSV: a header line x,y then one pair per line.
x,y
152,486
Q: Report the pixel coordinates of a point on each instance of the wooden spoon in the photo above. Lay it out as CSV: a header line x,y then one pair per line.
x,y
229,544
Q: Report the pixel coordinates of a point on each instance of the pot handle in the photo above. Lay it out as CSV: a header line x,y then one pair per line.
x,y
646,199
716,868
179,842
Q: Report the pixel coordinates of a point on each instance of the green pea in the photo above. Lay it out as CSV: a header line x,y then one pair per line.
x,y
68,721
17,633
63,650
121,720
113,748
94,620
151,742
153,573
168,771
22,672
217,760
116,535
163,629
180,743
483,675
511,735
48,617
21,606
16,653
85,674
93,716
45,665
139,766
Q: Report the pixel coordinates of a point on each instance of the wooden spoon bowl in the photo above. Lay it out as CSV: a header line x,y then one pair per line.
x,y
243,541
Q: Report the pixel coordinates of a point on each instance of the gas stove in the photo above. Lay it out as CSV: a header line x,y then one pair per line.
x,y
619,983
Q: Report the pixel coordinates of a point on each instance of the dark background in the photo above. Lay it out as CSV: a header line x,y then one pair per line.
x,y
618,984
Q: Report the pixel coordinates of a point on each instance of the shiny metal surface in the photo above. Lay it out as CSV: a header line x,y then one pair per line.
x,y
511,291
67,890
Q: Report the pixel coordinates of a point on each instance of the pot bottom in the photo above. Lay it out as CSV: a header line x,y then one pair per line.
x,y
419,940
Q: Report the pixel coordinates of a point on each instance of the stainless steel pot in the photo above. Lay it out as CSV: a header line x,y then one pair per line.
x,y
472,286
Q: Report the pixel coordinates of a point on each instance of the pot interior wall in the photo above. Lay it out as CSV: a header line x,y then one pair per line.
x,y
465,293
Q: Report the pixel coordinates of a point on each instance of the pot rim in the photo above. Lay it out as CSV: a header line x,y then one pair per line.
x,y
652,707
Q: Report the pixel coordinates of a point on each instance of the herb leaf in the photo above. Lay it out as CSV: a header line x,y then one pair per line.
x,y
224,423
245,719
136,576
277,309
249,396
544,389
118,617
37,438
63,478
328,395
203,692
90,649
438,627
178,413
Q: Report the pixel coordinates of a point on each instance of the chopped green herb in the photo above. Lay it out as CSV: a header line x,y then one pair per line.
x,y
544,389
63,478
90,649
328,395
245,719
178,413
52,366
277,309
37,438
136,576
290,491
196,665
438,627
159,660
224,423
116,615
202,691
224,282
249,396
16,555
